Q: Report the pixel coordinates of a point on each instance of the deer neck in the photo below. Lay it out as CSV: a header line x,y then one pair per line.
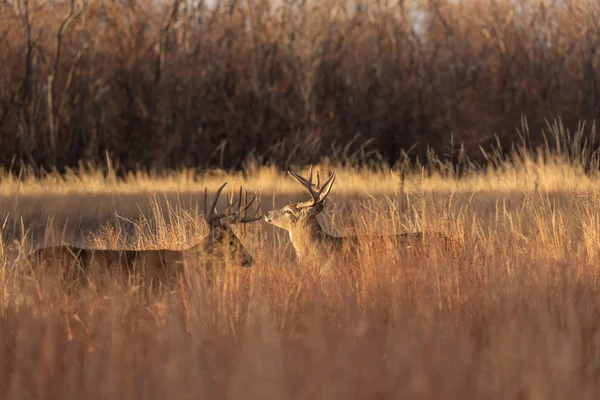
x,y
310,240
202,245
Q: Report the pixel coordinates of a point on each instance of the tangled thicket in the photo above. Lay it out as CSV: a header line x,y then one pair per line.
x,y
181,83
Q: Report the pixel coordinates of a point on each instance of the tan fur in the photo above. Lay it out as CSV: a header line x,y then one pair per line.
x,y
312,243
159,264
219,244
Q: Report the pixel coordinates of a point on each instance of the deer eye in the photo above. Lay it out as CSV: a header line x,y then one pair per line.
x,y
288,212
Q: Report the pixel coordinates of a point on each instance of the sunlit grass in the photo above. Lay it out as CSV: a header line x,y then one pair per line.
x,y
511,312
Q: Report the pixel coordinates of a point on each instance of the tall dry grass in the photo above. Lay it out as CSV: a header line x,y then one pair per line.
x,y
179,84
512,312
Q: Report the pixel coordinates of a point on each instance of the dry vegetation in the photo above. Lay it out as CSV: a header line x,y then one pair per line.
x,y
513,313
165,87
180,83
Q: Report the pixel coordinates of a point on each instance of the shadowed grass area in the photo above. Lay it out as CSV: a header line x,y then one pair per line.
x,y
512,311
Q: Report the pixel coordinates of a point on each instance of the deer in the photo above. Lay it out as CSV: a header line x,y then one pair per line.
x,y
310,241
221,241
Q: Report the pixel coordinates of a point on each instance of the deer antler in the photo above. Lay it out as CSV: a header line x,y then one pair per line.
x,y
317,192
234,216
213,216
238,216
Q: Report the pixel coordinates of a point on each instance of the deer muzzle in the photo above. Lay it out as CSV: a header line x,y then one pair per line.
x,y
268,216
247,261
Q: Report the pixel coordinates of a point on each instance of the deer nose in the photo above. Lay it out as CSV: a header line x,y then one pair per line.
x,y
267,216
247,261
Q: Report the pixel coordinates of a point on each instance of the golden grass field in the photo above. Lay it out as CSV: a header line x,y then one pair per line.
x,y
512,312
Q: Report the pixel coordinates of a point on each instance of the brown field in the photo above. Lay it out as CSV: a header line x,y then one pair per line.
x,y
513,312
111,96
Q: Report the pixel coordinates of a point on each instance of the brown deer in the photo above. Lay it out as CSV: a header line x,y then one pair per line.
x,y
309,239
220,242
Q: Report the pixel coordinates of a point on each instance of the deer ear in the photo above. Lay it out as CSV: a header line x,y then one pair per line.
x,y
316,209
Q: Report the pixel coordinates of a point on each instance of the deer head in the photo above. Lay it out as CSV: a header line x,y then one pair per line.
x,y
220,235
298,215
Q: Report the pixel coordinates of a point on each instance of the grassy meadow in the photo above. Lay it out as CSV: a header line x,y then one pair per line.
x,y
135,107
512,312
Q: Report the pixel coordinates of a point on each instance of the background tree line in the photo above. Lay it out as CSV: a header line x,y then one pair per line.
x,y
185,83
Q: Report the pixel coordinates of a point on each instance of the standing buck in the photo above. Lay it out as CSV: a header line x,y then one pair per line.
x,y
309,239
220,242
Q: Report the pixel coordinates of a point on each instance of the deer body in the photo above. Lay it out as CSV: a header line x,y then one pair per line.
x,y
311,242
220,242
80,262
129,259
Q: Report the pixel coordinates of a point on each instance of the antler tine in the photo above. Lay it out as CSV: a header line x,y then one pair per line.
x,y
247,205
327,185
243,205
206,204
308,186
257,214
229,206
232,212
213,206
317,192
212,215
240,216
